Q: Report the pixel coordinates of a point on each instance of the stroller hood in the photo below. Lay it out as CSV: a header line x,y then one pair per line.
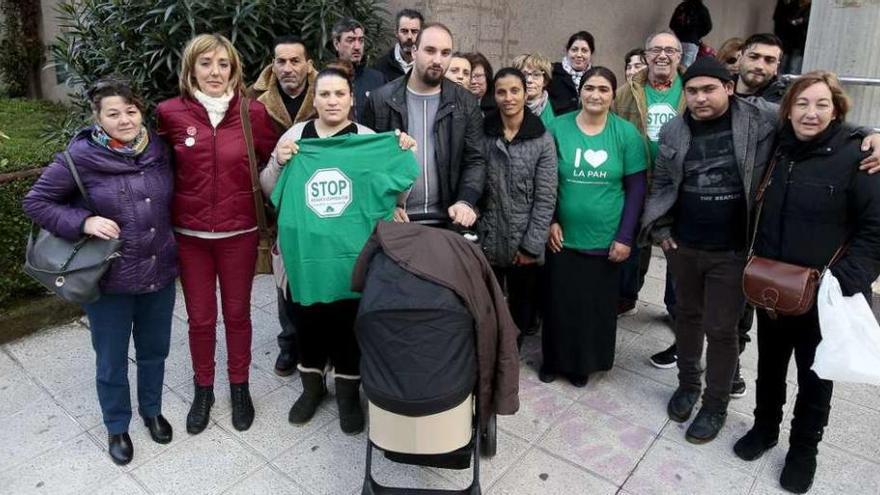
x,y
417,342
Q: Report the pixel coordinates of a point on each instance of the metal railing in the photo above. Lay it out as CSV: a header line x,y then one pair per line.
x,y
852,80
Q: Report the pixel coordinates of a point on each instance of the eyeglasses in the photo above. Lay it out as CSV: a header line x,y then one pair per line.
x,y
731,60
478,76
657,50
533,75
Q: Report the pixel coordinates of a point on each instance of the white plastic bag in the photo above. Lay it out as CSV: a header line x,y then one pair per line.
x,y
850,346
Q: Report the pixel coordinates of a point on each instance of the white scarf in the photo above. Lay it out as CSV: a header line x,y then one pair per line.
x,y
215,105
537,105
406,66
575,75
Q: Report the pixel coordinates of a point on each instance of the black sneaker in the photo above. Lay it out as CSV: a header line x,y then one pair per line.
x,y
738,387
706,426
626,308
665,359
682,404
285,365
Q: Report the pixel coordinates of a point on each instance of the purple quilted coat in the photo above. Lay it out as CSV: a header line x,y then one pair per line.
x,y
135,192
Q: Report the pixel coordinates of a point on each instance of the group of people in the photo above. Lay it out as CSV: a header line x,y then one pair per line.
x,y
567,175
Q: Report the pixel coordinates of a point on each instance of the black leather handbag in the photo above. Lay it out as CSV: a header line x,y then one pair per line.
x,y
72,270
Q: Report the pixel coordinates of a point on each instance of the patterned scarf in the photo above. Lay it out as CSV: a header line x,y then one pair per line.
x,y
576,75
132,148
537,105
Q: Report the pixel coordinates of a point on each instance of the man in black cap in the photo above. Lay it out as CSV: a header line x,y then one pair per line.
x,y
710,161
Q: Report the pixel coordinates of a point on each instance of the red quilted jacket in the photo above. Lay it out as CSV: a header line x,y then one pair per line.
x,y
212,182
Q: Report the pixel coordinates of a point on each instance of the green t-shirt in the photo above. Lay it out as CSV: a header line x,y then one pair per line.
x,y
662,107
547,116
329,198
591,172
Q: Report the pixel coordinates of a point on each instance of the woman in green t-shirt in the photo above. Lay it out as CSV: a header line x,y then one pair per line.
x,y
601,190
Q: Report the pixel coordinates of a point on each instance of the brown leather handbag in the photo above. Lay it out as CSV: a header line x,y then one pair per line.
x,y
776,287
267,232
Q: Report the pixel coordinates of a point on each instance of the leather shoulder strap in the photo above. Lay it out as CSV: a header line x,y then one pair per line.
x,y
259,207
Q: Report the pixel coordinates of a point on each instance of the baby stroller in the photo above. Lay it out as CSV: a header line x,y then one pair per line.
x,y
419,371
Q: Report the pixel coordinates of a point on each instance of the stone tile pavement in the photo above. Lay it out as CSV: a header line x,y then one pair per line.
x,y
610,437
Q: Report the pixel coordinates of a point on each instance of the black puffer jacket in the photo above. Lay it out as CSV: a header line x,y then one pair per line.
x,y
520,194
562,91
816,200
458,130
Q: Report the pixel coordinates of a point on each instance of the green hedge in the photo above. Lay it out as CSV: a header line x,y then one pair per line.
x,y
23,123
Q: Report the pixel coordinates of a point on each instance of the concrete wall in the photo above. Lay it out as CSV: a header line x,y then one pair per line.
x,y
49,30
502,29
847,42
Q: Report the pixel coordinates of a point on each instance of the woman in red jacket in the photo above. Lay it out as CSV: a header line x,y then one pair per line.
x,y
213,214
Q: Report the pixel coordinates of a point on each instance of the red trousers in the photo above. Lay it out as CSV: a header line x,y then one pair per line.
x,y
202,262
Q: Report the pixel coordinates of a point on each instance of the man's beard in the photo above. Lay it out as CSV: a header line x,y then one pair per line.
x,y
430,80
755,81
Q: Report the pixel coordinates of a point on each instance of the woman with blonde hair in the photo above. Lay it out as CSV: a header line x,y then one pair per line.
x,y
214,214
729,54
538,71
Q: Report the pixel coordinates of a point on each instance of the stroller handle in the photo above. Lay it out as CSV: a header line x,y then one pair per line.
x,y
443,218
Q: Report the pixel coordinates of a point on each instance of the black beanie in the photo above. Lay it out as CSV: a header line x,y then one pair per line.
x,y
708,67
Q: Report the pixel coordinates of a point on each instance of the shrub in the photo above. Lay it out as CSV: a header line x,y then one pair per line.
x,y
144,40
21,51
23,150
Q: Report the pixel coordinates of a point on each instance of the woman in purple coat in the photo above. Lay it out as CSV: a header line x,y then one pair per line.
x,y
126,171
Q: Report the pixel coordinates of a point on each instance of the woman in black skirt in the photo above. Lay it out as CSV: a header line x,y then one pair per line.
x,y
601,171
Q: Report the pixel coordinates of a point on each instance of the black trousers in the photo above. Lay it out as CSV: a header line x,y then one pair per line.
x,y
287,337
777,341
709,303
325,336
520,285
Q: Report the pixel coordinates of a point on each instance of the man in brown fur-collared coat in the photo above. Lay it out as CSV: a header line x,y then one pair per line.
x,y
285,86
286,89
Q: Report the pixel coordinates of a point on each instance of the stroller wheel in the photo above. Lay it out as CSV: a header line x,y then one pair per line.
x,y
489,438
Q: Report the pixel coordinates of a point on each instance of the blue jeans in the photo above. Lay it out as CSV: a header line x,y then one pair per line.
x,y
112,320
632,278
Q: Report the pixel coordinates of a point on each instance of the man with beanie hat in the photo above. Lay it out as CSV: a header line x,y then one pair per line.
x,y
710,162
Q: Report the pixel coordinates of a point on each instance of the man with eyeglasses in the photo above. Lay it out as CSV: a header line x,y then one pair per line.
x,y
399,58
649,100
758,66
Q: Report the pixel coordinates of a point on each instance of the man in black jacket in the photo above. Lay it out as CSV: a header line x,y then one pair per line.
x,y
399,58
348,41
446,122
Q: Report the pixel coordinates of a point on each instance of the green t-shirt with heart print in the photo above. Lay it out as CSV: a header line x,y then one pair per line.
x,y
591,171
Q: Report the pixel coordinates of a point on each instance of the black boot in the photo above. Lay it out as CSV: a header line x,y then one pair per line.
x,y
800,462
348,398
120,448
758,440
242,406
706,425
200,410
681,404
305,406
160,429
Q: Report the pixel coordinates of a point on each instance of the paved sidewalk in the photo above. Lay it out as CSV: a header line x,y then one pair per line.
x,y
611,437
